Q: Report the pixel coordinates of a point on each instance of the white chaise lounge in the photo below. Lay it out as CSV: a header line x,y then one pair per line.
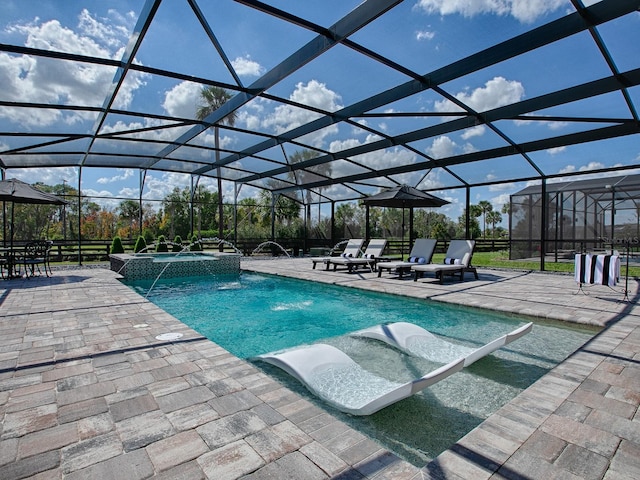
x,y
374,250
333,376
416,341
420,254
353,249
457,261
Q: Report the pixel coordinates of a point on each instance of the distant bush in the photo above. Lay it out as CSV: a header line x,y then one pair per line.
x,y
177,244
195,246
161,244
141,244
116,245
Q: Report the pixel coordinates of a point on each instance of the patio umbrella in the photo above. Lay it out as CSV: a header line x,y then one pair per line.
x,y
404,196
16,191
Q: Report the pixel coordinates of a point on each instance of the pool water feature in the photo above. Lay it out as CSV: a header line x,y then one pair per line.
x,y
250,314
151,266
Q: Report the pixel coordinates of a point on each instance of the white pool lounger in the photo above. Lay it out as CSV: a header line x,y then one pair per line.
x,y
417,341
333,376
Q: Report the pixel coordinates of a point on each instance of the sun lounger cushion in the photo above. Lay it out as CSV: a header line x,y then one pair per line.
x,y
417,260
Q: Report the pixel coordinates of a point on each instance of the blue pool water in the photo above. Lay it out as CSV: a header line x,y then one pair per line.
x,y
250,314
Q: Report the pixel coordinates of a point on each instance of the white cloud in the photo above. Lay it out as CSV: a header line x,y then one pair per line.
x,y
583,168
314,94
158,185
246,66
164,134
556,150
503,187
425,35
499,201
359,131
469,148
111,35
442,147
556,125
526,11
497,92
378,160
182,99
125,174
48,176
43,80
476,131
551,124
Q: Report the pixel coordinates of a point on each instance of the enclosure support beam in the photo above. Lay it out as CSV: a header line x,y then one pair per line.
x,y
543,224
80,216
467,219
366,223
332,234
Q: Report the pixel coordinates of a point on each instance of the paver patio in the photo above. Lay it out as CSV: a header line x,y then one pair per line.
x,y
87,391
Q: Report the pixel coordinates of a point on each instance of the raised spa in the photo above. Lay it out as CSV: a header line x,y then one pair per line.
x,y
141,266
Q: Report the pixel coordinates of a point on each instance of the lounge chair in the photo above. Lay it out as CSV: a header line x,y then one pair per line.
x,y
374,251
333,376
457,261
421,253
351,250
418,342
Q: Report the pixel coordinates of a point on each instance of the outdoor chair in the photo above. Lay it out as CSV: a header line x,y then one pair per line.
x,y
369,258
353,249
457,261
421,253
35,254
4,265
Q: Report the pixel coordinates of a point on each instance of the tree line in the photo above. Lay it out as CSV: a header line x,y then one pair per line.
x,y
184,215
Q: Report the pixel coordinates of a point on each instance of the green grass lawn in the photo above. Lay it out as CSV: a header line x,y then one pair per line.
x,y
501,260
486,259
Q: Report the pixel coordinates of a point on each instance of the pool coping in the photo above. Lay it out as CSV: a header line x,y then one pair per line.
x,y
581,416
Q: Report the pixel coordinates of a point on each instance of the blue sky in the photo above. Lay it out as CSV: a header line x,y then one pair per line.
x,y
421,35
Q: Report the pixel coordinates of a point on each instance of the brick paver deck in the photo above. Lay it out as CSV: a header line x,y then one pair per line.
x,y
88,391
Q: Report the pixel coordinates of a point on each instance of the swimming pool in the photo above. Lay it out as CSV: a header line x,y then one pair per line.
x,y
249,314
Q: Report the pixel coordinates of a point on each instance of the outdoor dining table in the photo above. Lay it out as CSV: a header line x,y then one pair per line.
x,y
11,260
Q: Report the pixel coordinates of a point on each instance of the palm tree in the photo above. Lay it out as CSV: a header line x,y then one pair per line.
x,y
486,208
493,218
306,175
213,98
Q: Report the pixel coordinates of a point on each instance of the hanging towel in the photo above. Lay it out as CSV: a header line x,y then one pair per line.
x,y
597,269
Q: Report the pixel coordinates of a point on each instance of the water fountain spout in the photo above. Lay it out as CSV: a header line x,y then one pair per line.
x,y
272,243
221,241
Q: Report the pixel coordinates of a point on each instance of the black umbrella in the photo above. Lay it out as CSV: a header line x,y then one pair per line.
x,y
404,196
16,191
